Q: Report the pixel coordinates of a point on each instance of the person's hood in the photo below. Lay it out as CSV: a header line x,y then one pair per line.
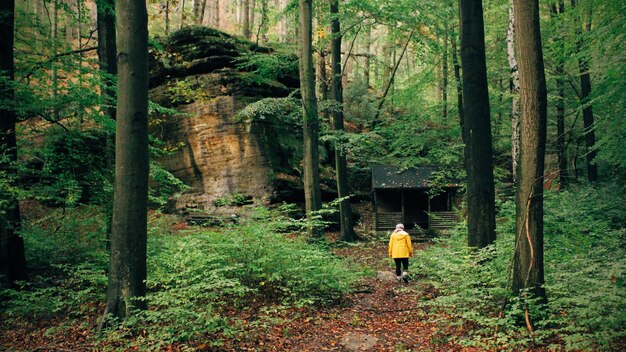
x,y
399,235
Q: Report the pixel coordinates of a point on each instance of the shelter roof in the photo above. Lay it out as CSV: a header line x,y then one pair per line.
x,y
392,177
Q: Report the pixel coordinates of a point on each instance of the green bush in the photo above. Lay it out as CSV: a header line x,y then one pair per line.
x,y
585,272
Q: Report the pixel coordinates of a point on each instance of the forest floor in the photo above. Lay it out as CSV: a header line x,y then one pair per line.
x,y
380,315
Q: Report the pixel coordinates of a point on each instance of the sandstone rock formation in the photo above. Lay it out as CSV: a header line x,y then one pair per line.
x,y
215,153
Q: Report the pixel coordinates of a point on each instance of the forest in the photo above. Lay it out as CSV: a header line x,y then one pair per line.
x,y
237,175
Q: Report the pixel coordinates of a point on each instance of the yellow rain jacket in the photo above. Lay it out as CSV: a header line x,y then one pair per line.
x,y
400,245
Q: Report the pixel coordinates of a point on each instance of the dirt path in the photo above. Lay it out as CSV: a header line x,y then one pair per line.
x,y
381,315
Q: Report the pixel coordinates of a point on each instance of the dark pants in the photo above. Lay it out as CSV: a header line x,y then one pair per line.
x,y
404,262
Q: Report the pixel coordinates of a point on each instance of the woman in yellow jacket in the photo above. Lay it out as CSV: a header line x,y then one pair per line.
x,y
400,249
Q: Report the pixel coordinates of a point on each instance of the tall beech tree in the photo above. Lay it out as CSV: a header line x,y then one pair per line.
x,y
477,125
312,193
127,271
345,208
528,257
12,258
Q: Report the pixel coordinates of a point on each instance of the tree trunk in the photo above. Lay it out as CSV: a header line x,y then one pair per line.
x,y
514,87
345,208
560,102
282,23
127,271
182,15
459,85
528,257
323,82
167,16
480,184
312,193
444,69
246,19
391,79
198,11
368,61
107,52
12,258
585,97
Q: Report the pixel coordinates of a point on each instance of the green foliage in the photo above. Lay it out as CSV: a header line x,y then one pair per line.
x,y
68,168
195,277
585,277
280,121
233,199
269,67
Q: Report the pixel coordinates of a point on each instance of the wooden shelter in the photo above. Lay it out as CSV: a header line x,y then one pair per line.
x,y
402,196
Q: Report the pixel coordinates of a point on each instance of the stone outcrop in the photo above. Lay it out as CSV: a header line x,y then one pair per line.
x,y
214,153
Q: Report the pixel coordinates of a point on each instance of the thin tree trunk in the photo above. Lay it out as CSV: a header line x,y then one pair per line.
x,y
167,16
182,15
107,52
528,258
459,85
444,69
480,183
514,87
312,193
12,258
345,208
282,23
368,48
560,102
127,270
391,78
323,82
54,33
585,97
246,19
198,11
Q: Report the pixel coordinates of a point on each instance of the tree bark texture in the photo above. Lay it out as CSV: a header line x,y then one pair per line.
x,y
12,258
312,193
198,11
479,163
560,102
246,19
107,52
459,85
345,208
585,96
127,271
444,69
514,87
528,257
167,16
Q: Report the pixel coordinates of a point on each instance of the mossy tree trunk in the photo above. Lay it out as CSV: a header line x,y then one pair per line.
x,y
341,170
312,193
127,271
528,257
477,124
12,258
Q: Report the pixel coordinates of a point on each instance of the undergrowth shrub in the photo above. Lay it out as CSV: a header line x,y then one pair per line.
x,y
585,273
197,275
197,278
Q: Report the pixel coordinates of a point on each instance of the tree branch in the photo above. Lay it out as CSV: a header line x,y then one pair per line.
x,y
54,58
